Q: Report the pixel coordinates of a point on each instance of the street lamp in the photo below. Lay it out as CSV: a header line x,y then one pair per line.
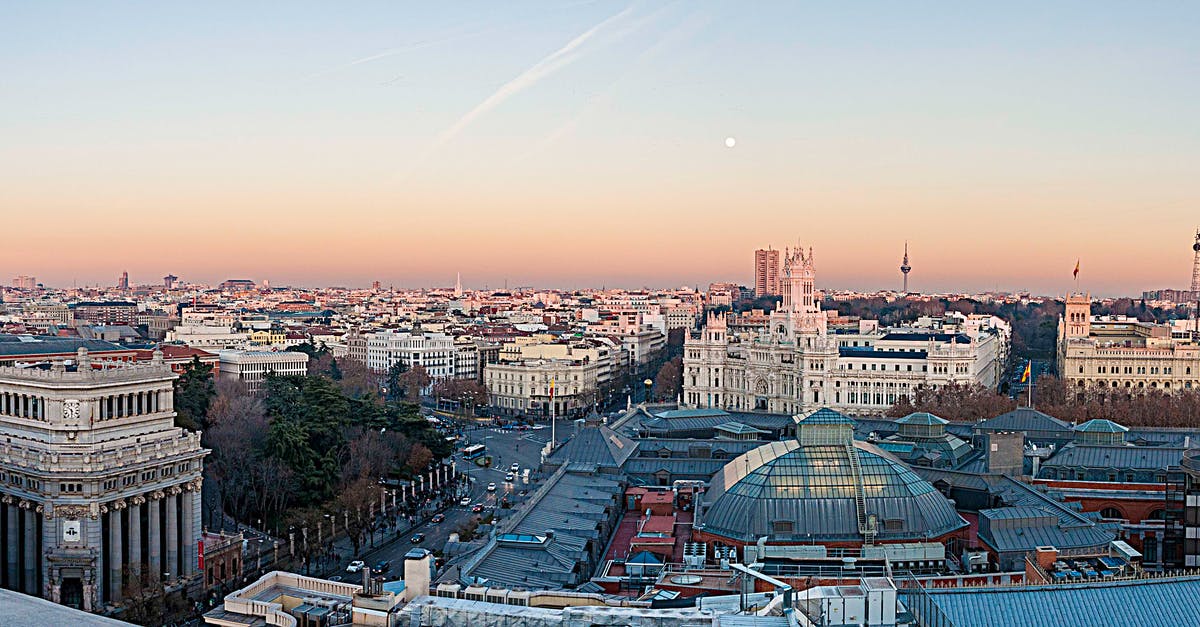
x,y
649,384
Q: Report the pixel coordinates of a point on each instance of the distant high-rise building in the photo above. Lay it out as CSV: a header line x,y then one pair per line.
x,y
1196,266
905,268
375,285
766,272
23,282
458,286
123,282
169,281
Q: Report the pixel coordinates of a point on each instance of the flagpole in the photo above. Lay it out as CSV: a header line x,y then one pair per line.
x,y
1031,384
553,423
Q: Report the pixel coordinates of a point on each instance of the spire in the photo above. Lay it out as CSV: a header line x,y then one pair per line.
x,y
904,267
458,285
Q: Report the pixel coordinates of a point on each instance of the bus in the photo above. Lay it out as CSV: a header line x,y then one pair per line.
x,y
474,451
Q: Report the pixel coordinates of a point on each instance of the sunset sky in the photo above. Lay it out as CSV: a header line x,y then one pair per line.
x,y
578,144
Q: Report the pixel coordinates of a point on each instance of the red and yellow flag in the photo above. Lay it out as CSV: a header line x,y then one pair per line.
x,y
1075,274
1027,372
551,388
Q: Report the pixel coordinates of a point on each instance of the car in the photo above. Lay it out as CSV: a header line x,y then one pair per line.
x,y
523,493
491,487
336,578
508,477
464,501
478,507
515,467
382,567
437,518
355,566
417,538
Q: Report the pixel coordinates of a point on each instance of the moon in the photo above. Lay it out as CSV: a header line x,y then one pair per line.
x,y
730,142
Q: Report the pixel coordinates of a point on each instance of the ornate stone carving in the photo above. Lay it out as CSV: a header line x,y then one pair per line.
x,y
118,504
173,490
103,508
71,512
138,500
8,499
156,495
193,485
24,504
48,511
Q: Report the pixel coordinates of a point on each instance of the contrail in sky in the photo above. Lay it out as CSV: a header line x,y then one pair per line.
x,y
555,61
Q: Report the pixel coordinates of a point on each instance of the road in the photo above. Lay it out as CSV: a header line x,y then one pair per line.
x,y
505,447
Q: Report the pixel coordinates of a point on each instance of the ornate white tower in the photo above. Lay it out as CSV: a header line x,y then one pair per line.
x,y
801,302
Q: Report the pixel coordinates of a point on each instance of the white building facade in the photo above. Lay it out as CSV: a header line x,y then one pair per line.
x,y
436,352
794,365
99,490
252,367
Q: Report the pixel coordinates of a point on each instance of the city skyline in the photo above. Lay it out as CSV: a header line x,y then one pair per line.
x,y
404,144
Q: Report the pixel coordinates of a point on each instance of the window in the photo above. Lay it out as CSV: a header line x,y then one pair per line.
x,y
782,527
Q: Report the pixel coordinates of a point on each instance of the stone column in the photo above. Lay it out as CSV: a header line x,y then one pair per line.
x,y
187,543
171,533
11,541
154,536
115,548
135,535
30,544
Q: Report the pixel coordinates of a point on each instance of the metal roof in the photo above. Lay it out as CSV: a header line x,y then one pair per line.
x,y
1117,457
1026,419
922,418
1137,603
961,338
825,416
813,488
19,345
596,444
1099,425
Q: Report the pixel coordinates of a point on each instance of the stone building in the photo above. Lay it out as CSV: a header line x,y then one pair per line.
x,y
1122,352
99,491
794,364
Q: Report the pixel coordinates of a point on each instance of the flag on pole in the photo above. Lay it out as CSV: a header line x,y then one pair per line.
x,y
552,388
1026,373
1075,274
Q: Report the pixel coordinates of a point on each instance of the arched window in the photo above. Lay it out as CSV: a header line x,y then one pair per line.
x,y
1158,514
1111,512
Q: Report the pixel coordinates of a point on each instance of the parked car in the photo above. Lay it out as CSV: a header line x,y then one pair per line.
x,y
491,487
417,538
437,518
355,566
383,567
464,501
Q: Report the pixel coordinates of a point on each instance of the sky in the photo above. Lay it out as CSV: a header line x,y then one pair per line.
x,y
584,143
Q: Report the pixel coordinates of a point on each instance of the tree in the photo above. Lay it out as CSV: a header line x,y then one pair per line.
x,y
194,391
469,392
393,388
413,381
356,500
419,459
668,383
954,402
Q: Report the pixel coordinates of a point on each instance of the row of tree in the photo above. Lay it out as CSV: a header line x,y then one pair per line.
x,y
1051,395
